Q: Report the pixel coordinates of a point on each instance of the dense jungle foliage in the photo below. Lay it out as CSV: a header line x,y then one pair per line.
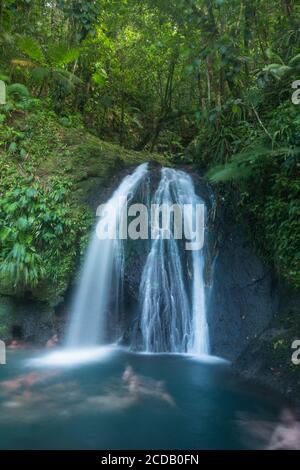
x,y
202,82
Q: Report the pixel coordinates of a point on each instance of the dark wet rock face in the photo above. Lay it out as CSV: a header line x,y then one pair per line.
x,y
26,320
268,358
253,317
241,295
243,298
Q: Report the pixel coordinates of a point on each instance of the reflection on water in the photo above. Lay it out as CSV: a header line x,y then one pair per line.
x,y
127,401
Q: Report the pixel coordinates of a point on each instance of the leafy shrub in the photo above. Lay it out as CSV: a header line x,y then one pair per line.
x,y
266,174
39,231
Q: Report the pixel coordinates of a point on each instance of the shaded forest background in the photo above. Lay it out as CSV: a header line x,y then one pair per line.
x,y
206,83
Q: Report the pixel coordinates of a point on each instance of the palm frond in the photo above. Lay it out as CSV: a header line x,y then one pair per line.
x,y
60,54
228,172
295,61
277,70
243,164
31,47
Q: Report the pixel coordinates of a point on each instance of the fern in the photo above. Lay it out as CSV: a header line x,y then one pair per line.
x,y
60,54
48,65
18,91
243,164
30,47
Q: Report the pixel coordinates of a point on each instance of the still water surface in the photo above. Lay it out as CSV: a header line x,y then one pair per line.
x,y
81,402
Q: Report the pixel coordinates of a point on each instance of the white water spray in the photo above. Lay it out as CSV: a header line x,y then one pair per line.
x,y
172,295
172,307
104,258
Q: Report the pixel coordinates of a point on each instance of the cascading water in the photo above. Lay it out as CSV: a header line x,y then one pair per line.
x,y
172,313
103,268
172,289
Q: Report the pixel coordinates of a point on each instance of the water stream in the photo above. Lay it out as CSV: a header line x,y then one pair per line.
x,y
172,294
172,307
104,265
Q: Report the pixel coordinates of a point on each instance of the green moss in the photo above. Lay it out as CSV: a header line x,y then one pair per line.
x,y
54,156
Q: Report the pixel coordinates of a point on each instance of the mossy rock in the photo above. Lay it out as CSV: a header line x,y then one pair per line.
x,y
6,311
93,168
54,150
26,319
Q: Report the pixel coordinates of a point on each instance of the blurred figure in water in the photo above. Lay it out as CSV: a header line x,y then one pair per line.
x,y
286,435
27,381
132,381
139,386
15,344
265,434
52,342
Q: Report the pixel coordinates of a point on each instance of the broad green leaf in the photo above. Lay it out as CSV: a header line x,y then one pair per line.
x,y
32,49
60,54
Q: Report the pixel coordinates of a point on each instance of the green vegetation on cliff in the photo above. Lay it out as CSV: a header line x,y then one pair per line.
x,y
261,181
48,171
207,82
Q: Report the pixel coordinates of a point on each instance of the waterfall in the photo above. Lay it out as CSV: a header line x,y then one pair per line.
x,y
103,271
172,288
171,309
